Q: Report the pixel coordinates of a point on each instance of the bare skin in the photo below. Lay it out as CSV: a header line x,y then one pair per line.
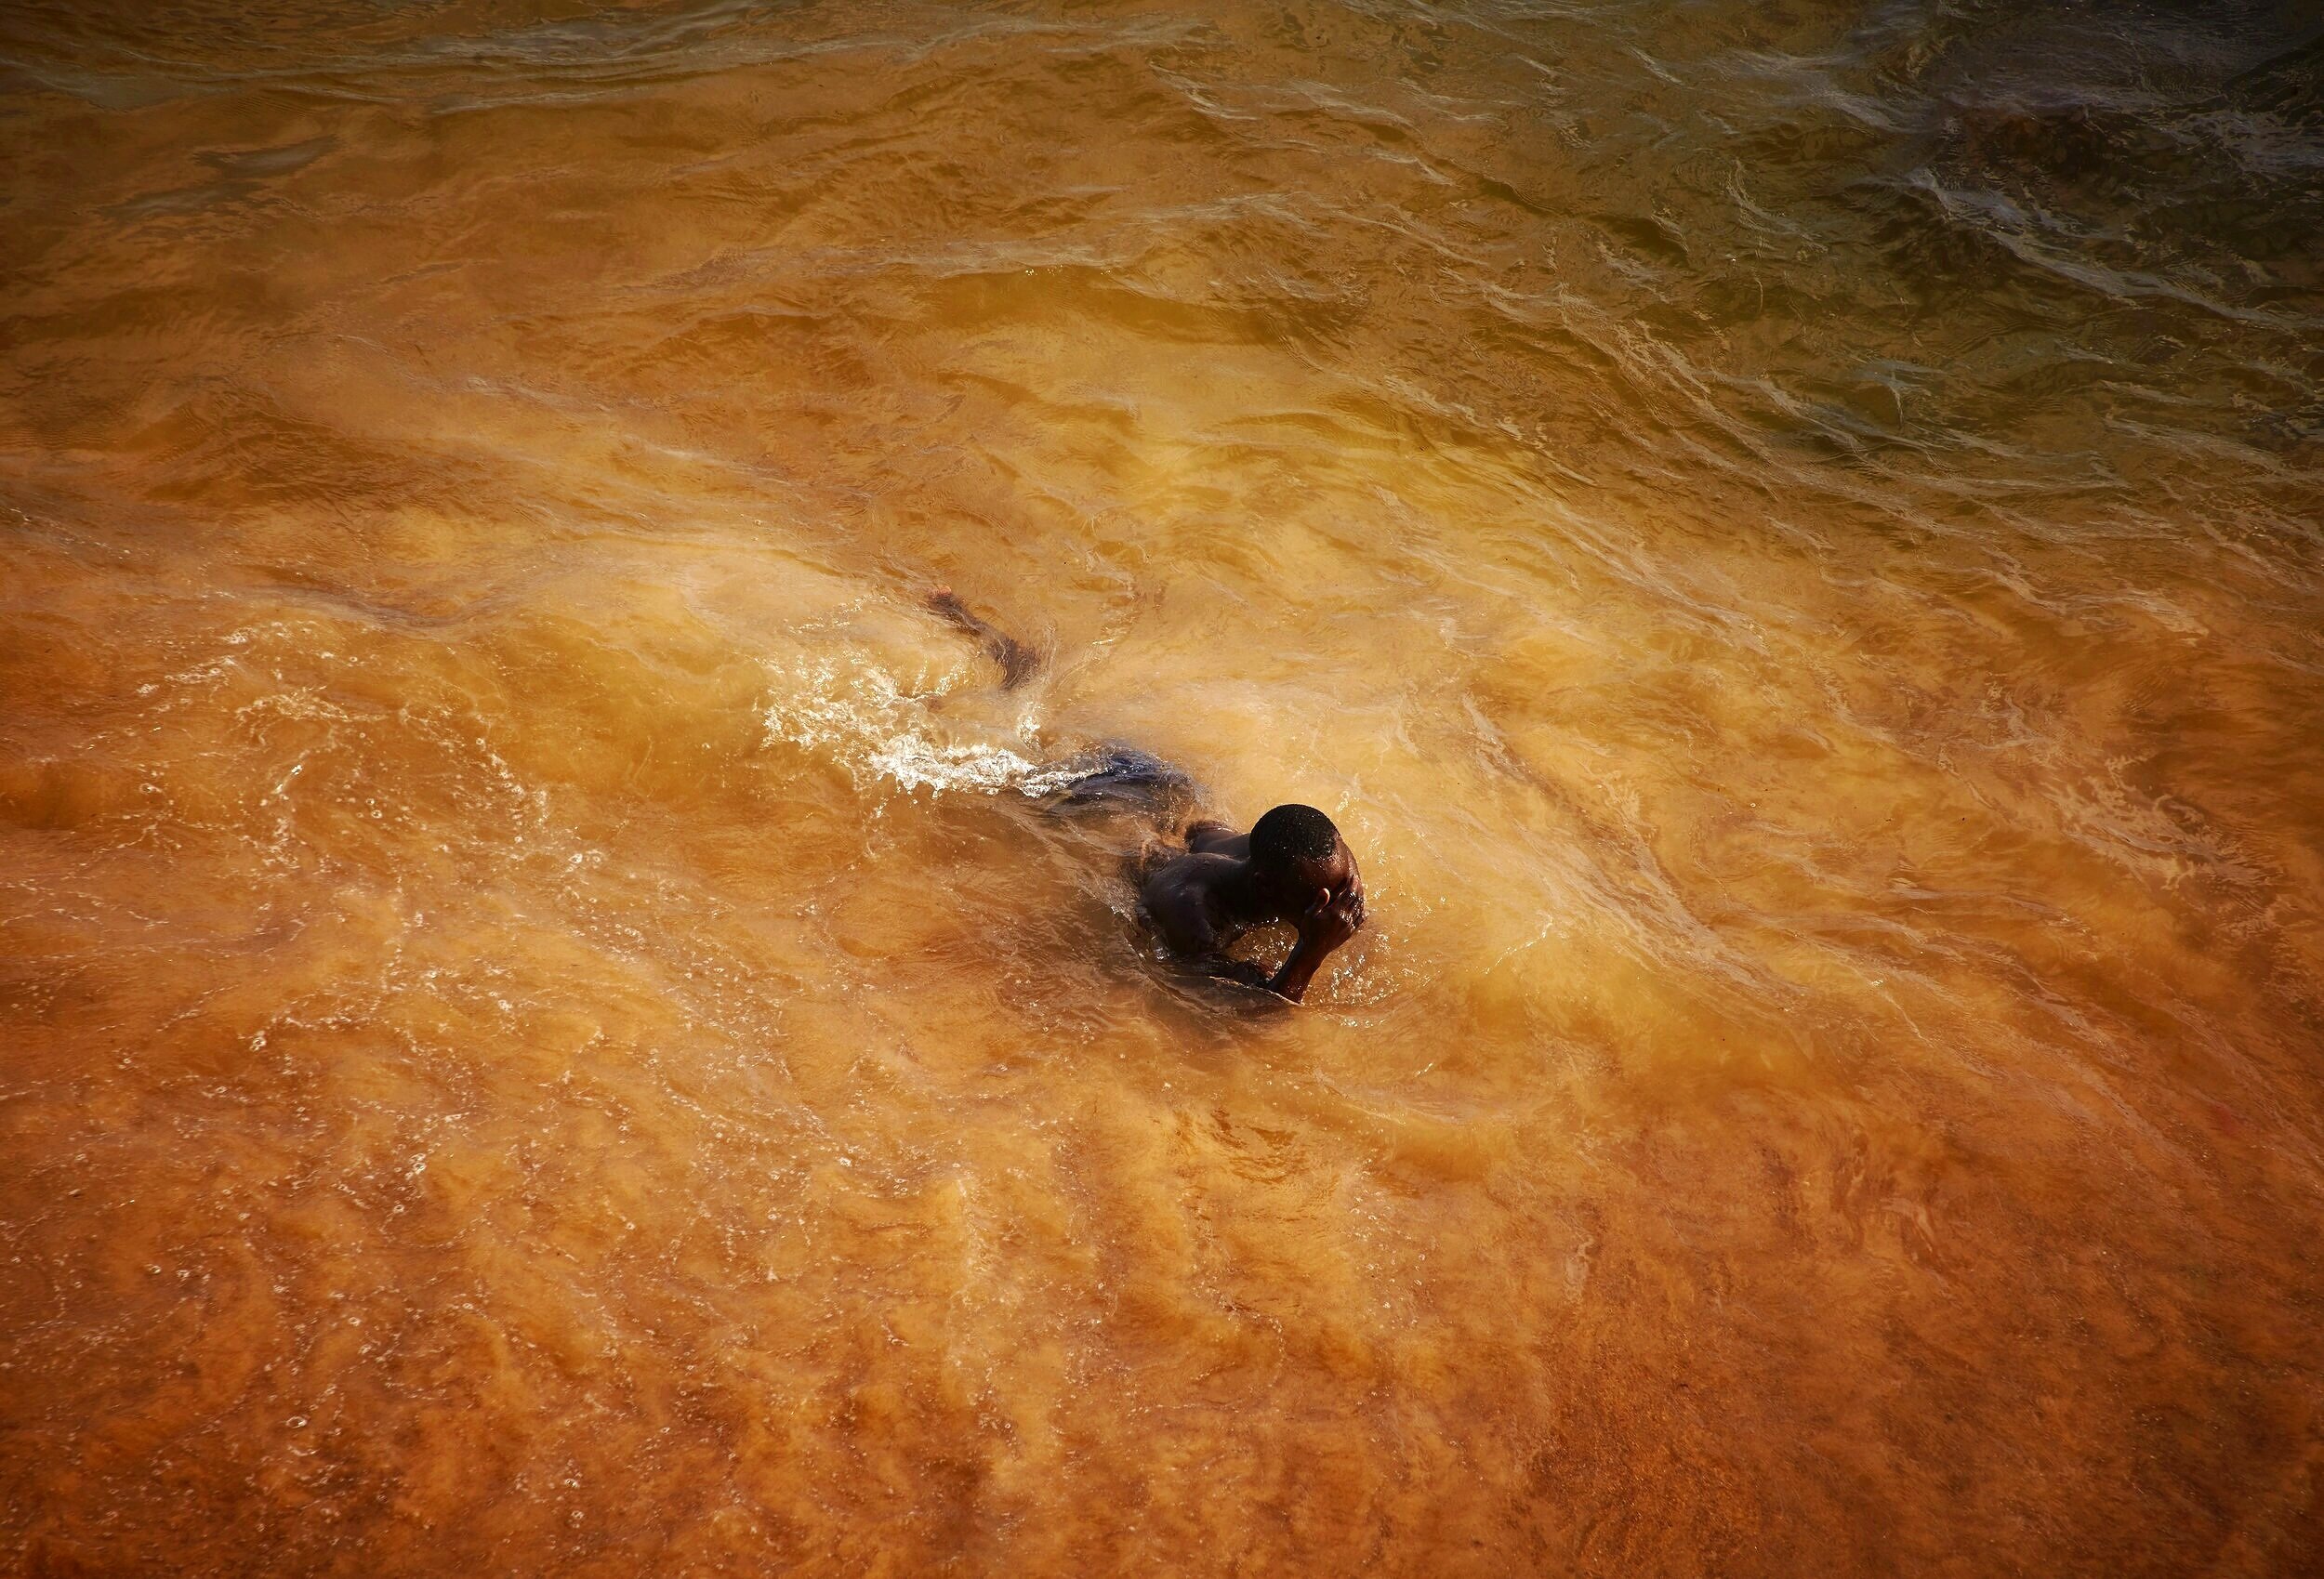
x,y
1202,901
1016,660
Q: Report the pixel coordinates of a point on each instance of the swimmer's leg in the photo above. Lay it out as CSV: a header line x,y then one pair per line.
x,y
1017,661
1123,775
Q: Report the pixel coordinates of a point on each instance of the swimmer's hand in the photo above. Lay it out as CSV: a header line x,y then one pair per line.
x,y
1328,923
1333,918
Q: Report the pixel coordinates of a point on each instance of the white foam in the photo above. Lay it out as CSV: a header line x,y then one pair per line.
x,y
885,736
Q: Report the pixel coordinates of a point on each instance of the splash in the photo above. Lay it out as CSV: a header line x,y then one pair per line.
x,y
857,715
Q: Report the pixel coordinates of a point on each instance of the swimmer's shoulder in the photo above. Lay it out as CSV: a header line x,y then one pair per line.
x,y
1209,836
1183,878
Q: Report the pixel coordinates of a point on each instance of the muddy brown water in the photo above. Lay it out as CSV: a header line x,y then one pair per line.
x,y
545,1029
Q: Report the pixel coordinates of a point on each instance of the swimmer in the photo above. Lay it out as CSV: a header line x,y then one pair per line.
x,y
1292,867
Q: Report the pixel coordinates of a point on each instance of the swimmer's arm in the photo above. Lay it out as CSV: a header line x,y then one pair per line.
x,y
1330,923
1241,971
1289,984
1306,957
1016,660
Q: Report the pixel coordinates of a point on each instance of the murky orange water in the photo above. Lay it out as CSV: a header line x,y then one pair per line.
x,y
544,1035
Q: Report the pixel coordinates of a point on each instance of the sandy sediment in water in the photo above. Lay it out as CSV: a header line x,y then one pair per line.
x,y
543,1033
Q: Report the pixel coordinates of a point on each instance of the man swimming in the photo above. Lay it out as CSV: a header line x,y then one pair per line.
x,y
1292,867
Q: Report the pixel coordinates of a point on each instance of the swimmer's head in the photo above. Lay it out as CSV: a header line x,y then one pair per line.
x,y
1296,851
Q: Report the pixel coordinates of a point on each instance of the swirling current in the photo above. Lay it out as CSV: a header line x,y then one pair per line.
x,y
547,1025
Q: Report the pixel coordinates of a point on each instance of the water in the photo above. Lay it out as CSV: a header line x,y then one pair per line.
x,y
546,1034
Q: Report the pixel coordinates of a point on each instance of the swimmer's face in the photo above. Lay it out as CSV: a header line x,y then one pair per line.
x,y
1291,886
1297,856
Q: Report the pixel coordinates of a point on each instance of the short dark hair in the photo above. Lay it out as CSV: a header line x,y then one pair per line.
x,y
1293,835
